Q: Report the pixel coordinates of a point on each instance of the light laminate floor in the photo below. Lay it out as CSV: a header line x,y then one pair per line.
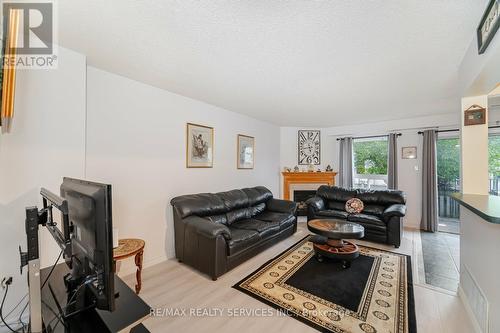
x,y
175,287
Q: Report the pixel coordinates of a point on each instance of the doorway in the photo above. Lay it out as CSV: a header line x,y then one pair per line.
x,y
441,250
448,178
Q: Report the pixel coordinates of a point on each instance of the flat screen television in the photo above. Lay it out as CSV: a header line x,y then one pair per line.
x,y
90,222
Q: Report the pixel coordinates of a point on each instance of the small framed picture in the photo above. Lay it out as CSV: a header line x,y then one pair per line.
x,y
199,146
475,115
246,151
409,153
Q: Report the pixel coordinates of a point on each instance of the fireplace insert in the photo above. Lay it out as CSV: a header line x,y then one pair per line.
x,y
300,197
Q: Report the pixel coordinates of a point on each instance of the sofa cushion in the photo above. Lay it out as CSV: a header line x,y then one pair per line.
x,y
354,206
367,219
376,210
385,197
284,220
333,213
235,199
334,193
202,204
238,215
287,223
241,239
257,209
257,195
218,219
372,224
262,227
336,205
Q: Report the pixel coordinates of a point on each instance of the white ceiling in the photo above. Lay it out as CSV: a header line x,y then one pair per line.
x,y
293,63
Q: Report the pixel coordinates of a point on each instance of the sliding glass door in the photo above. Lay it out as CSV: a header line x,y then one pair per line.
x,y
494,162
448,174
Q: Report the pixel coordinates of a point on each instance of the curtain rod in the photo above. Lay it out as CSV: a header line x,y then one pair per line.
x,y
370,136
457,130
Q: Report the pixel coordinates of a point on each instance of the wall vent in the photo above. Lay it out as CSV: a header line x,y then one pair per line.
x,y
478,303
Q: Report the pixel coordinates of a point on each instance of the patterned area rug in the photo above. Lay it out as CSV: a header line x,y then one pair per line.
x,y
374,295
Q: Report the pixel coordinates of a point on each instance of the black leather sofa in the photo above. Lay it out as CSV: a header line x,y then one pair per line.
x,y
216,232
381,216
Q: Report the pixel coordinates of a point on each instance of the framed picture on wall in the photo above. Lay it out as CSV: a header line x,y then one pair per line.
x,y
309,147
199,146
409,153
246,151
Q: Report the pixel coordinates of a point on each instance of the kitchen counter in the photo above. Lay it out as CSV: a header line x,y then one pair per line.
x,y
486,206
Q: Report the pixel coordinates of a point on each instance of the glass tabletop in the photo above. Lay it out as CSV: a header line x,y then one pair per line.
x,y
335,226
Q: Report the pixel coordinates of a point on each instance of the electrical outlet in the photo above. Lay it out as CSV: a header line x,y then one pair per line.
x,y
6,281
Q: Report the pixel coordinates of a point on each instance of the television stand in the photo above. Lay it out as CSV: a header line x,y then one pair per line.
x,y
130,309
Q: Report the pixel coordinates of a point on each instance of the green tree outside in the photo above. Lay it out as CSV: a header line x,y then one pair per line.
x,y
448,163
494,156
370,157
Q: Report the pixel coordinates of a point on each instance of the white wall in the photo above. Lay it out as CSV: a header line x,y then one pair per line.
x,y
410,180
136,142
46,143
474,148
478,253
478,73
133,136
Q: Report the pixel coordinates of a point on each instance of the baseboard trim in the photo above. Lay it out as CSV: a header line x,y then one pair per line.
x,y
465,302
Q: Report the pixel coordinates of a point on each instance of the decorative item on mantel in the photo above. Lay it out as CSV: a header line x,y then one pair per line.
x,y
310,168
287,169
329,168
296,169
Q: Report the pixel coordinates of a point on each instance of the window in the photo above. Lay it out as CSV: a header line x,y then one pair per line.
x,y
370,163
494,163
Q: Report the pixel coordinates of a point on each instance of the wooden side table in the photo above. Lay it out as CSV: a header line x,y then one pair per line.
x,y
131,247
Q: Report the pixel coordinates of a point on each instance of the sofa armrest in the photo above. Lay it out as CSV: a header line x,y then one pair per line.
x,y
394,210
282,206
316,203
207,228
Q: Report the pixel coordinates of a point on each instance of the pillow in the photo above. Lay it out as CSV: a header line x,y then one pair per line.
x,y
354,206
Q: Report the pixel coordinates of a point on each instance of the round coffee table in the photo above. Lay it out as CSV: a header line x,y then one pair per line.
x,y
331,244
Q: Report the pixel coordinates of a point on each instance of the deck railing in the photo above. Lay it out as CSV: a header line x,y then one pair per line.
x,y
448,207
495,185
372,182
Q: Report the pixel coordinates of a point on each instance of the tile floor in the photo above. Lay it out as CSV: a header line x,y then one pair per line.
x,y
441,259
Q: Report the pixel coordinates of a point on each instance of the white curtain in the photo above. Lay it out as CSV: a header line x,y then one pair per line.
x,y
345,163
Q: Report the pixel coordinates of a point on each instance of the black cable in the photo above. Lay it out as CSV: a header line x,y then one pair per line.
x,y
15,307
56,316
20,319
1,310
26,306
43,285
52,269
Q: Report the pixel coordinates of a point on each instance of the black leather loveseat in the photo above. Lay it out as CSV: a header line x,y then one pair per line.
x,y
381,216
216,232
